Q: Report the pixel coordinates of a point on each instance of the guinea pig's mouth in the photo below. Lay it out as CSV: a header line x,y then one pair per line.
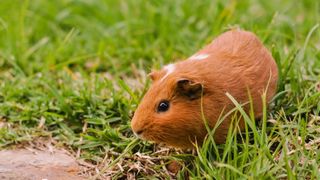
x,y
143,136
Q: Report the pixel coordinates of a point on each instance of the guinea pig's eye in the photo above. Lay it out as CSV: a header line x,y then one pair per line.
x,y
163,106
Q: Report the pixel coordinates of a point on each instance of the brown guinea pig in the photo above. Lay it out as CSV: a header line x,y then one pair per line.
x,y
236,62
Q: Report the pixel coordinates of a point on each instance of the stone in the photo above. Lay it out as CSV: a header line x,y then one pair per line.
x,y
24,164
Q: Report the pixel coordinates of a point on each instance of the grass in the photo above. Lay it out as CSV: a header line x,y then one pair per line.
x,y
74,71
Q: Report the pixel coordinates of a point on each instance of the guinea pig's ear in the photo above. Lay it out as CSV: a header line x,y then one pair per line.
x,y
189,89
154,75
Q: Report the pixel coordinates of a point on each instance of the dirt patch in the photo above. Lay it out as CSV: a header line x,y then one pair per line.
x,y
33,164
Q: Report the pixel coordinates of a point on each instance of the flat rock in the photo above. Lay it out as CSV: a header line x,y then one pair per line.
x,y
37,165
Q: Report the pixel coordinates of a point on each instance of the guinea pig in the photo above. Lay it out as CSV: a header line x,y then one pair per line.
x,y
171,113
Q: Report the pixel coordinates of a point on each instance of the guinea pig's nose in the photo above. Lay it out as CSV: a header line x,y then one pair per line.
x,y
138,133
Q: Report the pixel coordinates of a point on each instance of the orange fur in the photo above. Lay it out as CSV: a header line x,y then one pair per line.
x,y
237,62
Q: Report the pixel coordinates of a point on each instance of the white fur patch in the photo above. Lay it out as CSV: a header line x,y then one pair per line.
x,y
199,56
169,68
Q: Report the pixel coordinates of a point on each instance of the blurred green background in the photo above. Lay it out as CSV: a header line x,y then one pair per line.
x,y
42,35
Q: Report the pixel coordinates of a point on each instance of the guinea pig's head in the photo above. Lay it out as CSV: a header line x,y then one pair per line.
x,y
170,111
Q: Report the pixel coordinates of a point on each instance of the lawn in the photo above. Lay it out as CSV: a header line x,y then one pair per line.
x,y
73,71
